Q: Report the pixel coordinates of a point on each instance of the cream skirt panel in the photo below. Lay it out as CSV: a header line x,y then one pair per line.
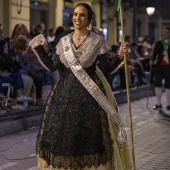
x,y
43,166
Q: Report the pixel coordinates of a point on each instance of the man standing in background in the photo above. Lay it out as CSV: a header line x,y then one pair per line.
x,y
161,59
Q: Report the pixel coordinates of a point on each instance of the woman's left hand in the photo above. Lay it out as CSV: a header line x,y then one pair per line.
x,y
123,49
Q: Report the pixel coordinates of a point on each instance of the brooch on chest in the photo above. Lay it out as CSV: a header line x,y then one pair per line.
x,y
78,54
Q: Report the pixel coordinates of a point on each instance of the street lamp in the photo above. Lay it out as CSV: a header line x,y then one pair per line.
x,y
150,10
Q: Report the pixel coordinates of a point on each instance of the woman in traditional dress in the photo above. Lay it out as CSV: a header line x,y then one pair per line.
x,y
81,128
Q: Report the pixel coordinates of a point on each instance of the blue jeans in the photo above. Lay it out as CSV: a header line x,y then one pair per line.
x,y
14,79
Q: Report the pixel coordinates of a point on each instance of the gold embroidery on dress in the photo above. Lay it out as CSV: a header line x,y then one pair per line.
x,y
67,48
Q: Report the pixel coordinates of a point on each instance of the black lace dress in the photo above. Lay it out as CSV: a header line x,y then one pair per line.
x,y
75,132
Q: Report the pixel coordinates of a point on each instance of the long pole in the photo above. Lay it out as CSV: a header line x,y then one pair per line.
x,y
127,90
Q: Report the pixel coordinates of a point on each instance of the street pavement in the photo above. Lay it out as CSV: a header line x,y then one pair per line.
x,y
151,133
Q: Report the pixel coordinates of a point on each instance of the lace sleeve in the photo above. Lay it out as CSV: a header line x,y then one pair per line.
x,y
109,65
36,44
48,63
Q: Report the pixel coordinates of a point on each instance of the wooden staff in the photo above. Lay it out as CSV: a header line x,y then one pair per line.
x,y
127,91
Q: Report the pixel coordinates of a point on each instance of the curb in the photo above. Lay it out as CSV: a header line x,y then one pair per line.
x,y
14,121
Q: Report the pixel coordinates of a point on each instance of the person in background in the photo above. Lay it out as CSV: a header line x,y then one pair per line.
x,y
143,56
14,78
40,29
20,50
129,39
161,59
51,35
59,30
78,131
20,31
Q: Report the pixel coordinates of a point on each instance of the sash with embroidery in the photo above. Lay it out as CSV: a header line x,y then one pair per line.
x,y
91,87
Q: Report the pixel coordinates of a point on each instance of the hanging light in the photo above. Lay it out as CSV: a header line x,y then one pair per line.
x,y
150,10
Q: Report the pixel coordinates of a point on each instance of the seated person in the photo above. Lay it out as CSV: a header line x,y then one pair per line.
x,y
14,78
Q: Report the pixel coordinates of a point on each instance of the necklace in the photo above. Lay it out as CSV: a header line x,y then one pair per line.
x,y
79,37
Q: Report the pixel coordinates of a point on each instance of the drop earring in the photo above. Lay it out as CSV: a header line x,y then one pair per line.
x,y
89,26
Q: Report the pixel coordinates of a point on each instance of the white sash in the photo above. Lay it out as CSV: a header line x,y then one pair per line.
x,y
92,88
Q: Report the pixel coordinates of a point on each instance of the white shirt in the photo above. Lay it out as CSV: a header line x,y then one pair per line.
x,y
50,39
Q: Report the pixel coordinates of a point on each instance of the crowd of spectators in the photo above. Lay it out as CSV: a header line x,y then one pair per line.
x,y
21,70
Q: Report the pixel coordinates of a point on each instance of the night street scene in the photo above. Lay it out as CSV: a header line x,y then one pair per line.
x,y
84,85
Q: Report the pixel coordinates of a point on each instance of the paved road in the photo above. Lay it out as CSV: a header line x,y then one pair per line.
x,y
151,140
151,134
